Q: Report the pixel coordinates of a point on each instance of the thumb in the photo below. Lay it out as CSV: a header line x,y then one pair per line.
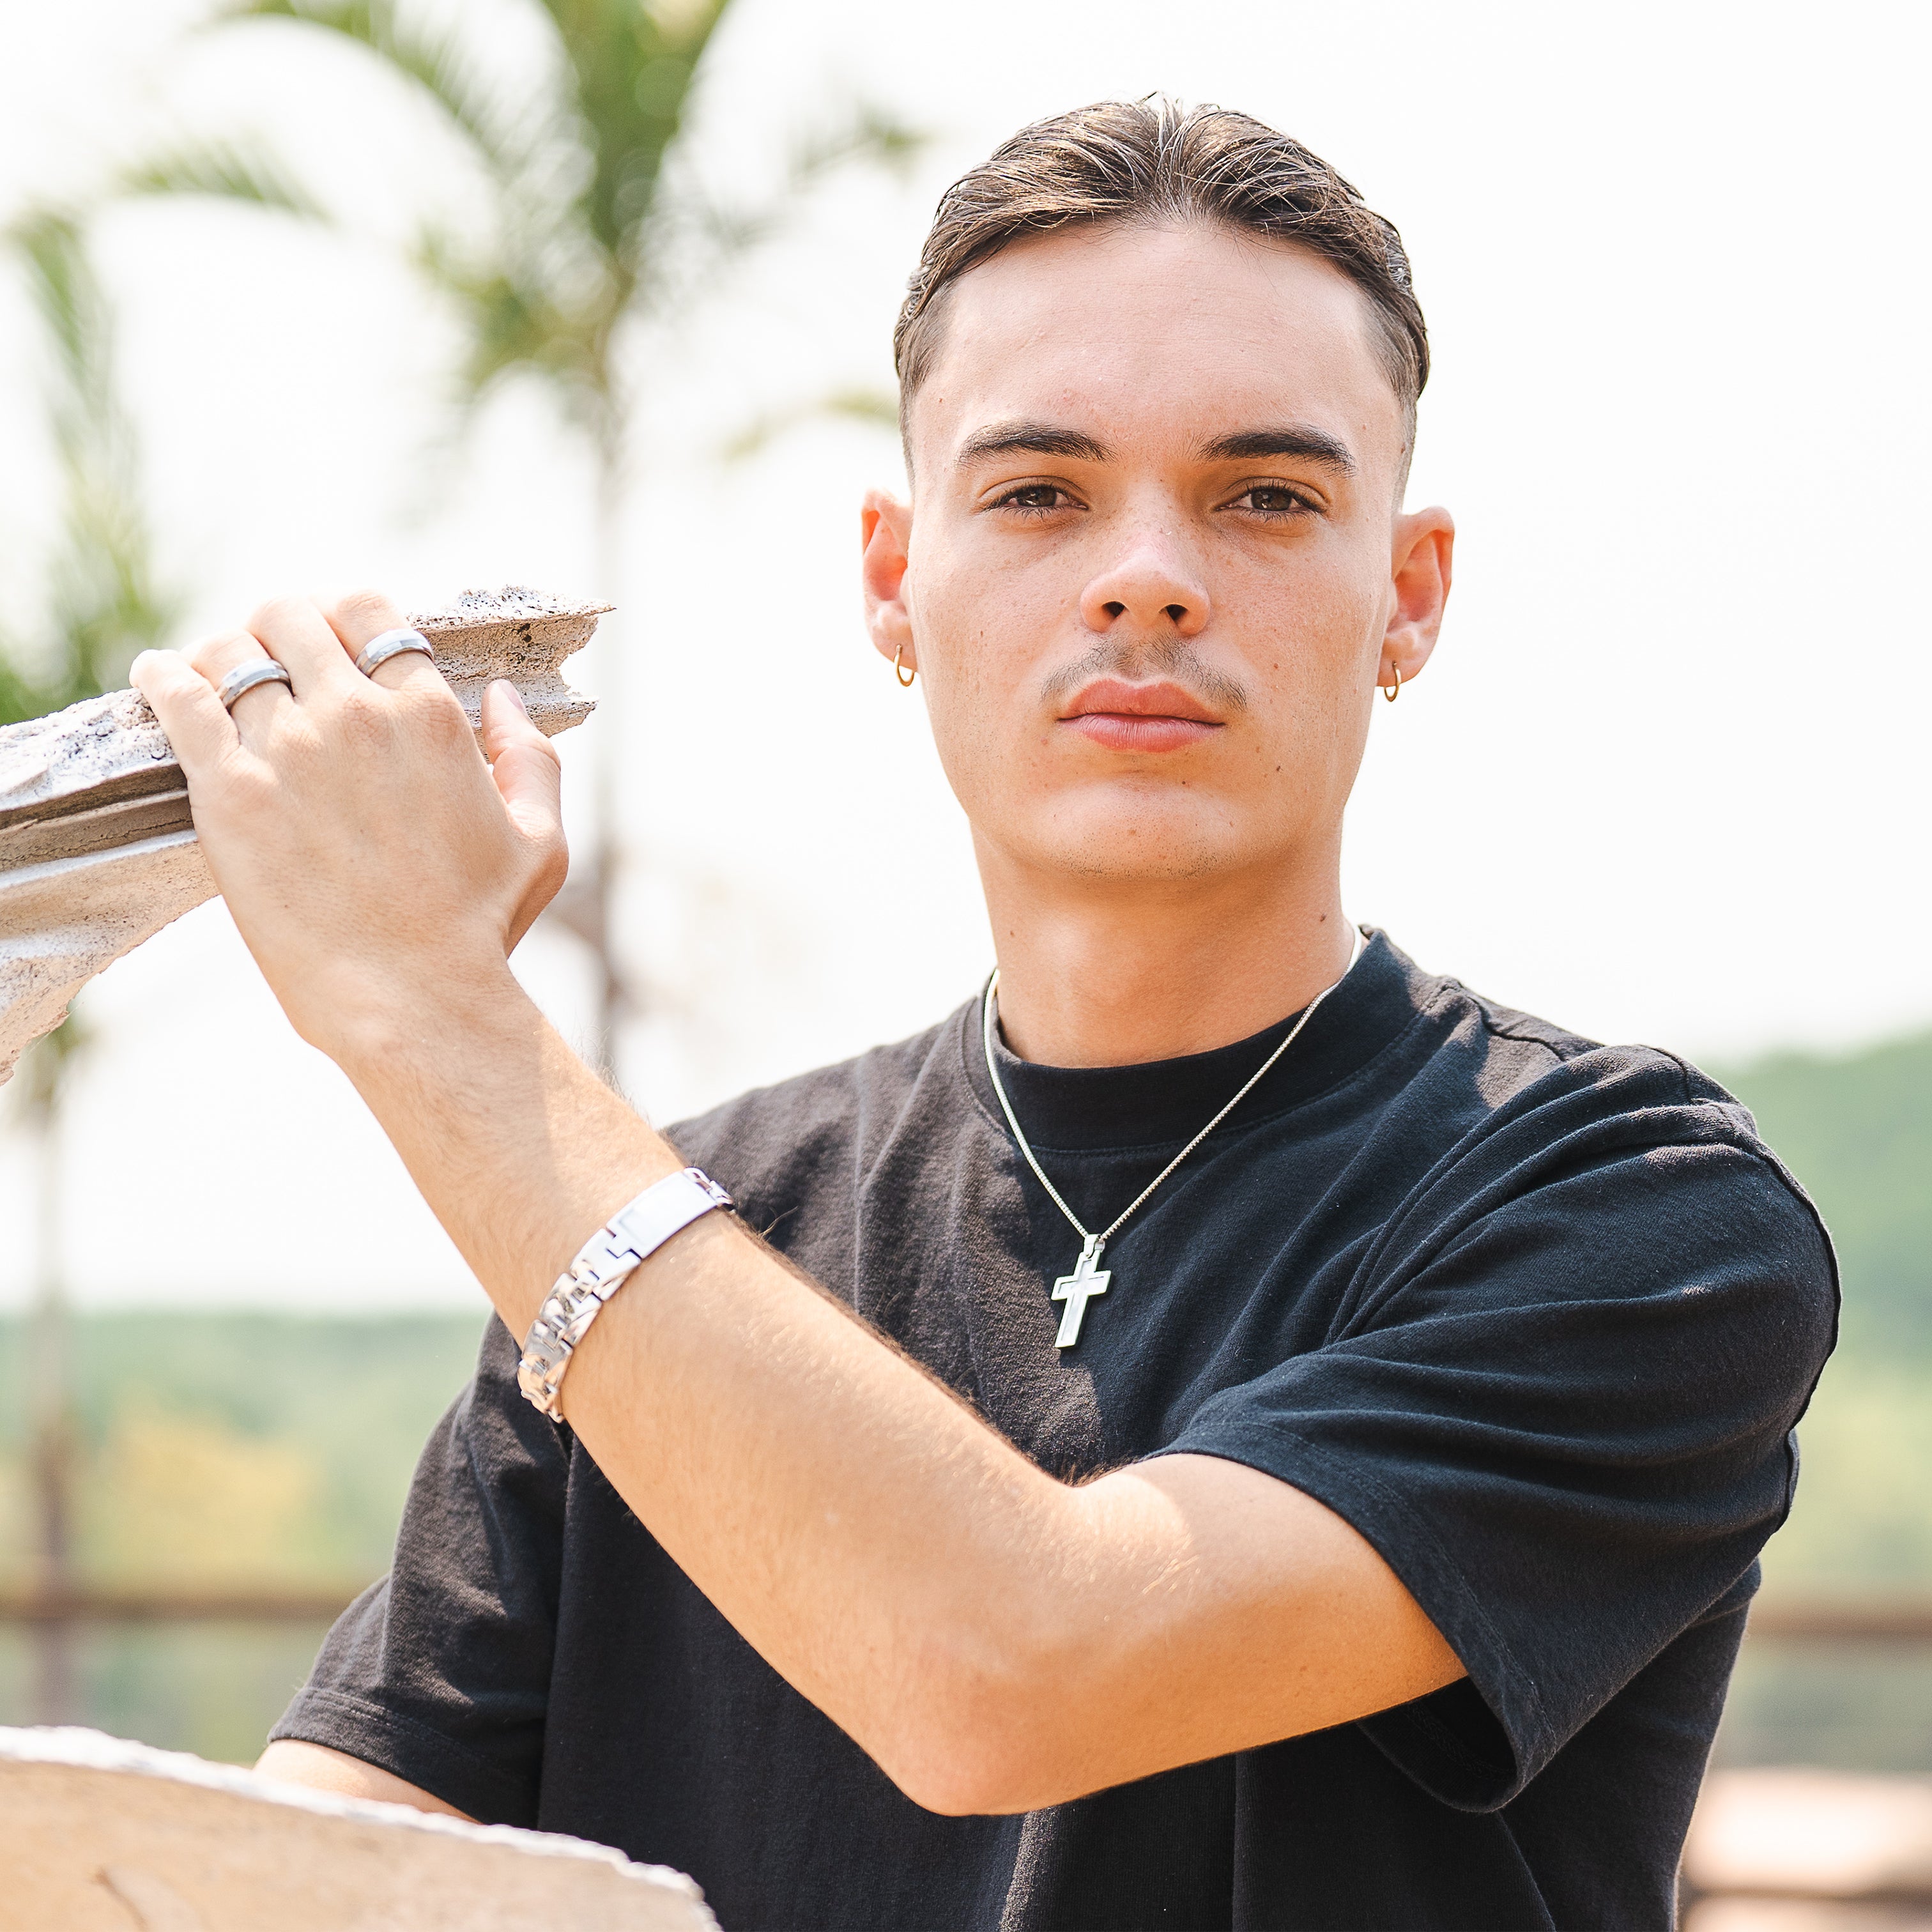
x,y
523,762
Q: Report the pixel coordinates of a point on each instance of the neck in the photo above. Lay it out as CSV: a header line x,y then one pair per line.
x,y
1113,973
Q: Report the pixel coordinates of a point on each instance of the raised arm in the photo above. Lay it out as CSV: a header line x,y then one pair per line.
x,y
997,1639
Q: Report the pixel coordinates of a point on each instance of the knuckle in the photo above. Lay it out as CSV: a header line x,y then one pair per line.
x,y
211,656
363,607
274,613
550,866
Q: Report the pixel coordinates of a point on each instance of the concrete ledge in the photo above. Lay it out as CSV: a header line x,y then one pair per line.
x,y
98,850
101,1835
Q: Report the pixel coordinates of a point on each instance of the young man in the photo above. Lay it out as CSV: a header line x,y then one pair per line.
x,y
1060,1519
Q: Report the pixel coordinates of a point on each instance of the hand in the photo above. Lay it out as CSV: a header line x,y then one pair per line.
x,y
370,858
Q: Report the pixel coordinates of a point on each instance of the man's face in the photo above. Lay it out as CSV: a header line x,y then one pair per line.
x,y
1153,568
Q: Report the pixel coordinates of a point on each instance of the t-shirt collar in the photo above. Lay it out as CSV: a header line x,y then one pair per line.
x,y
1096,1108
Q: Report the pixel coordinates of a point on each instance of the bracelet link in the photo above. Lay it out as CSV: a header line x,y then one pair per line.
x,y
603,1265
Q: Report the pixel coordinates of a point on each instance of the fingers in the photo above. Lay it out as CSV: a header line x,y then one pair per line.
x,y
215,657
358,616
199,730
294,631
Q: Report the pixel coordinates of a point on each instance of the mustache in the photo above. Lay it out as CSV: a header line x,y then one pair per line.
x,y
1133,659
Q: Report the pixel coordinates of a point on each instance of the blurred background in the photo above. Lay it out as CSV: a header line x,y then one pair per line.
x,y
598,298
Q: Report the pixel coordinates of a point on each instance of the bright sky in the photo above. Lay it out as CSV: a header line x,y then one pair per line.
x,y
1663,781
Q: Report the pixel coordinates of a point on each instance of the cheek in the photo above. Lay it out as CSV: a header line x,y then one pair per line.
x,y
978,644
1318,640
1317,630
949,636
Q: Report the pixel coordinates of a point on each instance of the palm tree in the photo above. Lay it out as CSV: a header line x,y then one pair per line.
x,y
592,230
102,604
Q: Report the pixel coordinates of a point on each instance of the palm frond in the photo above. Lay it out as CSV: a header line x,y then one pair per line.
x,y
103,603
514,323
879,408
869,136
633,68
435,61
73,312
19,698
227,171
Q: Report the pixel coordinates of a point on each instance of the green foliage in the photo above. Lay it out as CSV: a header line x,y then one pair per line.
x,y
225,170
220,1452
587,232
231,1451
1856,1129
1862,1524
102,603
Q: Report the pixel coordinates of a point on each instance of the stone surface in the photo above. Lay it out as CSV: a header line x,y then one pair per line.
x,y
97,844
97,1835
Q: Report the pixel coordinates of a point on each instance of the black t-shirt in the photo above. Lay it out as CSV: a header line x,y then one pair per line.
x,y
1536,1316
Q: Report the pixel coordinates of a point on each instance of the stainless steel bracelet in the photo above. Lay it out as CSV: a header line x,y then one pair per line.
x,y
603,1265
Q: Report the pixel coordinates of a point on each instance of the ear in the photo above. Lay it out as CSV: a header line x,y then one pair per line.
x,y
885,534
1419,569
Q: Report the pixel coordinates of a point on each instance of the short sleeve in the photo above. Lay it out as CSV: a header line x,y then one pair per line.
x,y
440,1672
1560,1407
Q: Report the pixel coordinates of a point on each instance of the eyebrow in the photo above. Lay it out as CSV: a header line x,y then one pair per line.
x,y
1031,439
1298,439
1043,439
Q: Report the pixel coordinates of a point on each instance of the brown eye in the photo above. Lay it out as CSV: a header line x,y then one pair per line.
x,y
1038,497
1273,500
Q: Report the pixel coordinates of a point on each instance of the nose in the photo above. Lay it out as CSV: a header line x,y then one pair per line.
x,y
1150,585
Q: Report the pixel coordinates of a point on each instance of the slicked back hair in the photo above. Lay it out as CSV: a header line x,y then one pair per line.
x,y
1154,161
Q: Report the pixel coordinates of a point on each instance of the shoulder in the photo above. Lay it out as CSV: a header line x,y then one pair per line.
x,y
1615,1146
1521,1068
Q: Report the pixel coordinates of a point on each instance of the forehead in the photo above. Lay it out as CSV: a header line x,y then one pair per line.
x,y
1189,331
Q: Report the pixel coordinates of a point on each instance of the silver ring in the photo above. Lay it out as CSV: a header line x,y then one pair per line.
x,y
378,651
245,677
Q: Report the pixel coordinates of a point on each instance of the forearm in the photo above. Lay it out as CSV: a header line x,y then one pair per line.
x,y
317,1768
994,1638
871,1538
520,1152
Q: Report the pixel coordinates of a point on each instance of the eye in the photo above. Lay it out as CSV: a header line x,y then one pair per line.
x,y
1033,499
1273,500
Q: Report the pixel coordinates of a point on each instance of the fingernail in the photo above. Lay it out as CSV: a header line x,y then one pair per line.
x,y
516,697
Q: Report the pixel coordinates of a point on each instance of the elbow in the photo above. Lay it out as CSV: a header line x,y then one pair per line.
x,y
985,1737
959,1772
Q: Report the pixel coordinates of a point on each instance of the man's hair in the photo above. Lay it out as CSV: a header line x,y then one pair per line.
x,y
1152,161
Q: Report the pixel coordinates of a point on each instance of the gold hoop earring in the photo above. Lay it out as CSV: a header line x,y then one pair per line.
x,y
1393,691
899,671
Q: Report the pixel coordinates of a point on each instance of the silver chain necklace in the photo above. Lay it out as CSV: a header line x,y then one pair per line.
x,y
1088,1278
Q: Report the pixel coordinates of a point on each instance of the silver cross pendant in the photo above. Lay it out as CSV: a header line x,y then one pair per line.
x,y
1077,1288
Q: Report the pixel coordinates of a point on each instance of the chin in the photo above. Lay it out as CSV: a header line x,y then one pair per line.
x,y
1140,846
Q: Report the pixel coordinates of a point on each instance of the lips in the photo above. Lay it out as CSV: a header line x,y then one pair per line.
x,y
1122,717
